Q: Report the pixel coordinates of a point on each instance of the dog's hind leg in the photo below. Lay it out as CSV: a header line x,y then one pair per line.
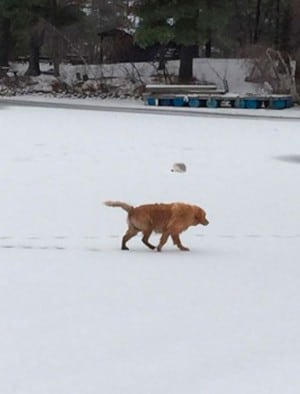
x,y
146,238
163,240
130,233
177,242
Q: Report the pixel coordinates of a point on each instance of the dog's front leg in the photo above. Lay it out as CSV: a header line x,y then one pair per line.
x,y
177,242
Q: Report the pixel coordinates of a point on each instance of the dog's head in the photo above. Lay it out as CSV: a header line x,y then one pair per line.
x,y
200,216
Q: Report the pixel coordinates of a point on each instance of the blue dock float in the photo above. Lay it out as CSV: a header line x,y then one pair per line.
x,y
151,101
252,103
196,102
213,102
278,104
180,101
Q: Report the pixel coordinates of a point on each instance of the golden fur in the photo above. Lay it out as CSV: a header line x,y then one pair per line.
x,y
167,219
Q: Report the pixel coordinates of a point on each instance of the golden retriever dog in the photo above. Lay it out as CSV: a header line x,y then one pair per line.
x,y
168,219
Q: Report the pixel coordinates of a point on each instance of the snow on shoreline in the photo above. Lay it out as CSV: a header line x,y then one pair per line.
x,y
125,80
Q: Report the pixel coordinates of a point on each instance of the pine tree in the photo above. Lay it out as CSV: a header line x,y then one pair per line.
x,y
9,11
28,20
262,22
187,23
47,15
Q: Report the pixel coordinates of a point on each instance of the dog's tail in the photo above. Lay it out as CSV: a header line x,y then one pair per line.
x,y
128,208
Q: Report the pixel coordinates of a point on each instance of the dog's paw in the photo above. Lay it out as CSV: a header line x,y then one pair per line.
x,y
184,249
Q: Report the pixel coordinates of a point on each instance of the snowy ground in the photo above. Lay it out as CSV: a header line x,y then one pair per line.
x,y
81,316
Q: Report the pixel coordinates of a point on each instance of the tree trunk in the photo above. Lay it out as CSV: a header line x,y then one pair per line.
x,y
5,41
186,64
285,44
34,59
35,44
56,51
277,24
257,22
55,37
56,63
208,48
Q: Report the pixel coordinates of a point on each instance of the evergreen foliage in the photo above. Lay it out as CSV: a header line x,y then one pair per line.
x,y
222,27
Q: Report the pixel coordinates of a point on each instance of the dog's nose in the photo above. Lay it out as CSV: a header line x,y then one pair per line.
x,y
206,222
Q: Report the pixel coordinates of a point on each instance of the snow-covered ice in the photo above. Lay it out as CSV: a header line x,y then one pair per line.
x,y
78,315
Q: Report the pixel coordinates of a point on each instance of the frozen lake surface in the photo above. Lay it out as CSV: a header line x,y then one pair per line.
x,y
80,316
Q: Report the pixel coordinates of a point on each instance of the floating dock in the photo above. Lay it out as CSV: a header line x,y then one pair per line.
x,y
208,96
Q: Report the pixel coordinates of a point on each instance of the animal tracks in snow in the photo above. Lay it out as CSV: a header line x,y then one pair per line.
x,y
54,243
65,243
